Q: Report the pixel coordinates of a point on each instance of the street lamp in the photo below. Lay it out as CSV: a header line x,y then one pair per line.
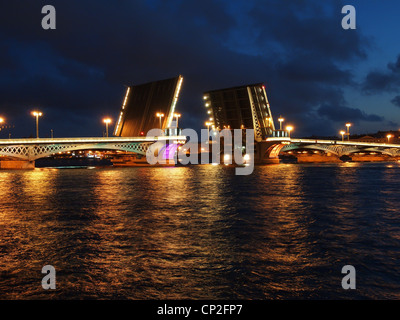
x,y
388,137
289,128
208,124
342,133
177,116
280,122
107,121
37,114
348,125
160,115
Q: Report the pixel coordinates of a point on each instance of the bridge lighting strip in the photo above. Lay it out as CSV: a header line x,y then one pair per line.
x,y
122,113
175,100
337,142
36,141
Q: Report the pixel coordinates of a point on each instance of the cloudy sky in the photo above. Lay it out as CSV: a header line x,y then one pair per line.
x,y
317,75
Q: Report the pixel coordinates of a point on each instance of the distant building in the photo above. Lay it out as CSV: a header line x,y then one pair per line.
x,y
379,137
142,103
243,107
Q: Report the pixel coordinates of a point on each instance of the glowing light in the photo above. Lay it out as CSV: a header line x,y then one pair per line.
x,y
122,113
176,95
177,116
1,120
342,133
107,121
37,114
280,119
160,115
289,129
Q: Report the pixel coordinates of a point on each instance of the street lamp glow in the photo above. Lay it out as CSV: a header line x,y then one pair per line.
x,y
342,133
208,124
37,114
280,122
107,121
289,129
348,125
388,137
1,120
177,116
160,115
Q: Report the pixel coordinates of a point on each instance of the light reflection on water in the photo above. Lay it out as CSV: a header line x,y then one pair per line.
x,y
201,232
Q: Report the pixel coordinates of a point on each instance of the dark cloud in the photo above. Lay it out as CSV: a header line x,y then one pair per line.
x,y
345,114
396,101
383,81
78,71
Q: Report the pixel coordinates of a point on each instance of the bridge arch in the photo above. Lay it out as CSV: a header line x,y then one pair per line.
x,y
34,152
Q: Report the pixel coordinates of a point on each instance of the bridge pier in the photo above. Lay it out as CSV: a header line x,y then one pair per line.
x,y
17,164
267,152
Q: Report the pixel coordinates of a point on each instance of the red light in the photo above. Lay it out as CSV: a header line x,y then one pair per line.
x,y
141,133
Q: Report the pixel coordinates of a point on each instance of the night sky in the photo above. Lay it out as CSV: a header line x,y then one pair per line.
x,y
317,75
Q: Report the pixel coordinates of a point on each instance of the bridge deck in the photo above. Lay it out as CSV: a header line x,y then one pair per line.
x,y
334,142
36,141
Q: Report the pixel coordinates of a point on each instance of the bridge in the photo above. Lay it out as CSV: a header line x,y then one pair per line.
x,y
243,107
247,107
29,150
338,148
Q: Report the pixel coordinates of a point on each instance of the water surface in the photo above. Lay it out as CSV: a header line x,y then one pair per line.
x,y
200,232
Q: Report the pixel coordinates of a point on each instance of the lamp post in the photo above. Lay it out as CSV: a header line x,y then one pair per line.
x,y
388,137
342,133
107,121
208,124
289,129
280,122
160,115
37,114
177,116
348,125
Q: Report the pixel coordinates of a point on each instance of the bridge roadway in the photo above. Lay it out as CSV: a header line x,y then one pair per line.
x,y
34,148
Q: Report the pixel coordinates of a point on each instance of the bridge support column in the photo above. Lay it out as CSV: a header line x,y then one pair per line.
x,y
17,164
267,152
